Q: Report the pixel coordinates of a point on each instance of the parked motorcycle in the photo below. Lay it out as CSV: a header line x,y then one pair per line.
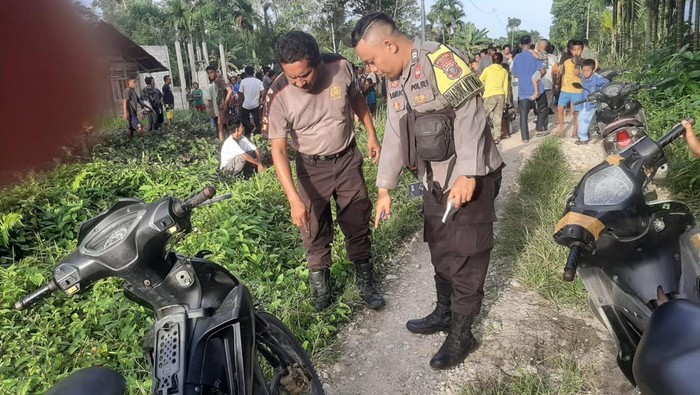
x,y
629,252
619,118
208,337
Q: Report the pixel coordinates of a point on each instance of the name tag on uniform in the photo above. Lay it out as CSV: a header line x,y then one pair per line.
x,y
416,189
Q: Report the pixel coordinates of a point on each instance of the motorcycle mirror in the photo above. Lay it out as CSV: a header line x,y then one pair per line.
x,y
577,85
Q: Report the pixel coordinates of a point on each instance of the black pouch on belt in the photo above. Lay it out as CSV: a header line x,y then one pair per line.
x,y
434,134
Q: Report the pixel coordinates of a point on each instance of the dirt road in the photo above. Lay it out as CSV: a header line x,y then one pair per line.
x,y
520,332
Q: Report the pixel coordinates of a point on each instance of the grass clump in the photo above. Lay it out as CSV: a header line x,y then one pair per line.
x,y
526,229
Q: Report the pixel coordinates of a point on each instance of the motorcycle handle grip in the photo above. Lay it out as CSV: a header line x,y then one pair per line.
x,y
677,131
35,296
181,208
571,263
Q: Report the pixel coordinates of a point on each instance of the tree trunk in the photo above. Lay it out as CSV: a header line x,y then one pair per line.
x,y
620,27
696,28
680,23
648,23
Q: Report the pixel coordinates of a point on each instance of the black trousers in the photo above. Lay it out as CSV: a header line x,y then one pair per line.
x,y
461,248
245,118
340,179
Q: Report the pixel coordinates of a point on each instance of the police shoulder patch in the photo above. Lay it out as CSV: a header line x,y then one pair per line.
x,y
455,81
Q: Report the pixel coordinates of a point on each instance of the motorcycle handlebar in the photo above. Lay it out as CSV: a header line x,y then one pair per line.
x,y
181,208
576,103
36,296
571,263
675,133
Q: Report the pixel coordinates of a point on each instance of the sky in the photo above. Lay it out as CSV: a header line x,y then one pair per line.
x,y
493,14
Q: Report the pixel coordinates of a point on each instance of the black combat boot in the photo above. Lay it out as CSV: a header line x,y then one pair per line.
x,y
459,343
321,284
364,277
440,319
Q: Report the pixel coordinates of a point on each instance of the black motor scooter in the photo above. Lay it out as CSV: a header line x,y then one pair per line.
x,y
630,253
207,338
620,119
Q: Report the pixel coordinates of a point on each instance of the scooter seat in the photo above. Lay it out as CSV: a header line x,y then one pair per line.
x,y
668,356
91,381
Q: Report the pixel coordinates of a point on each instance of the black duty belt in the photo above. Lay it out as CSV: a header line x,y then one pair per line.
x,y
331,156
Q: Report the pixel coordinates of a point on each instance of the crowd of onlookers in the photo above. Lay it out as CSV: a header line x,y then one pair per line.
x,y
535,76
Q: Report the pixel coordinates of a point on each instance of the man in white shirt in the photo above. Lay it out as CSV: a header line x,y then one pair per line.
x,y
253,92
238,154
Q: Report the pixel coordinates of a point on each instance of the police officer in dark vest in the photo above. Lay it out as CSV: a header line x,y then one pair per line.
x,y
437,124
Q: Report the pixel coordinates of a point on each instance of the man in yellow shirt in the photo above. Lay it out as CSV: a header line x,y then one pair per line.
x,y
570,73
495,79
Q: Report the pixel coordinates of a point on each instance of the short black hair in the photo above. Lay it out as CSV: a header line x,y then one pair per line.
x,y
484,51
165,78
249,70
271,72
525,40
368,20
296,46
506,46
497,58
211,67
589,63
195,83
576,42
265,69
235,124
148,80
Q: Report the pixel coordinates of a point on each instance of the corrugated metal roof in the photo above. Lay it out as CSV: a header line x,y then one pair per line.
x,y
110,40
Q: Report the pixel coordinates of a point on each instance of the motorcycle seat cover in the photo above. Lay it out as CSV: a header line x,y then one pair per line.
x,y
91,381
668,355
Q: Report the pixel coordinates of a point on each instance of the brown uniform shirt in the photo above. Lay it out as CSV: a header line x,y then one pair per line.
x,y
319,122
435,79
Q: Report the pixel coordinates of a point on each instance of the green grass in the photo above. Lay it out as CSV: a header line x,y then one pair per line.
x,y
525,232
251,234
567,378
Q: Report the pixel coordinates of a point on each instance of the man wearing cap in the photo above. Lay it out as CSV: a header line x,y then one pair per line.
x,y
312,102
436,122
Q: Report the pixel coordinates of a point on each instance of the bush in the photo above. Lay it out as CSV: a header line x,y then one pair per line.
x,y
251,234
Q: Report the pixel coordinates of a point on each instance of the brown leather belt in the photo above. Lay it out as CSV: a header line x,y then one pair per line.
x,y
331,156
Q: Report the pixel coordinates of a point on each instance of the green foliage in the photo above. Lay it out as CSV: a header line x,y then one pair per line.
x,y
251,234
677,97
529,219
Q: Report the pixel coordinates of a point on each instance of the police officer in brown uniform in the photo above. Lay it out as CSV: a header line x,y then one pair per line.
x,y
311,102
437,123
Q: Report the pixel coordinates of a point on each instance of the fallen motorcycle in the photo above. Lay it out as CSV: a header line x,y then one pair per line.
x,y
208,337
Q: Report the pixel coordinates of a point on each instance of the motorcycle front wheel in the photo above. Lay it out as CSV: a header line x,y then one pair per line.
x,y
282,361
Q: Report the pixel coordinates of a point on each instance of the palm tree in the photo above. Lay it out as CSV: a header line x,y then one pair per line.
x,y
469,38
446,16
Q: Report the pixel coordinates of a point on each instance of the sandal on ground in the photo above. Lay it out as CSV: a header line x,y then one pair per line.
x,y
579,142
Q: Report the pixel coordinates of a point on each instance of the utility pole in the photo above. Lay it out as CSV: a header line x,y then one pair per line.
x,y
588,19
422,20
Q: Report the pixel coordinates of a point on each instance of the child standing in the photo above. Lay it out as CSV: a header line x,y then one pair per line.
x,y
591,82
571,73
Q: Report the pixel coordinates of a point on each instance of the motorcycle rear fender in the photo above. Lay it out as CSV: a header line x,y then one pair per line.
x,y
620,123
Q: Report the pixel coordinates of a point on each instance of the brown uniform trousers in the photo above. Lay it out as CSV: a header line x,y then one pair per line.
x,y
342,179
461,248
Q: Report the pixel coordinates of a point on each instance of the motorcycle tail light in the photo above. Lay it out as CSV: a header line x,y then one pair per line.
x,y
623,138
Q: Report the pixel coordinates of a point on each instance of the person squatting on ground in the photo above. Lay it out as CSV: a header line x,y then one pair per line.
x,y
130,109
432,92
496,81
313,102
591,82
570,72
238,154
